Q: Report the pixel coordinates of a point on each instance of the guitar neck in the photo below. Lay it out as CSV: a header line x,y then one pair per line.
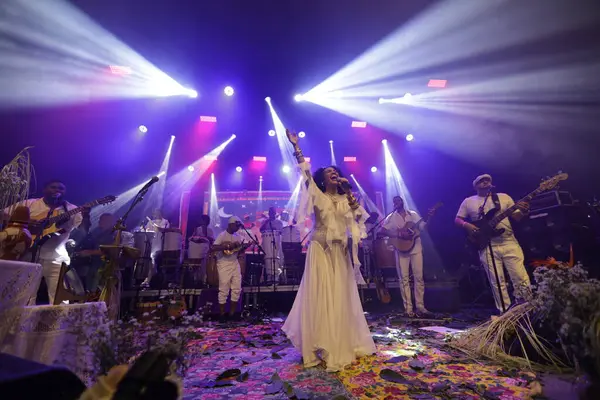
x,y
69,214
510,210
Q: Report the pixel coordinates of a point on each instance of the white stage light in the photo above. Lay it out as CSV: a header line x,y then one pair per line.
x,y
301,134
384,141
191,168
267,99
228,91
191,93
409,137
271,132
233,136
373,169
331,142
285,169
143,129
298,97
238,169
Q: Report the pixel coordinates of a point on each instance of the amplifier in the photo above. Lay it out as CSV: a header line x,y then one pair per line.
x,y
551,199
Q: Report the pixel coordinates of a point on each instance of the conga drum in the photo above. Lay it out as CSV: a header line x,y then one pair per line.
x,y
385,257
212,274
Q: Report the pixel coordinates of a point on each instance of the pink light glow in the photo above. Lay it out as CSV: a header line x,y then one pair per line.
x,y
259,159
350,159
359,124
437,83
206,118
210,158
120,70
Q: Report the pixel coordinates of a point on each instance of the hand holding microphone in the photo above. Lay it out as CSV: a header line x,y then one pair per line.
x,y
344,184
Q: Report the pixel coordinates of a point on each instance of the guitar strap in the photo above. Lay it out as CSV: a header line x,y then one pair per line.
x,y
495,200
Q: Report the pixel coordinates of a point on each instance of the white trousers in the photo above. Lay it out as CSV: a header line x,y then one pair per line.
x,y
230,278
403,265
50,272
511,256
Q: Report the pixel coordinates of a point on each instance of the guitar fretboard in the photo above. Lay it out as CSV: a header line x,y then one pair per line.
x,y
506,213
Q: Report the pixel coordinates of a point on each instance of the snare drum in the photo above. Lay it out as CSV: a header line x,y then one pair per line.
x,y
268,237
385,257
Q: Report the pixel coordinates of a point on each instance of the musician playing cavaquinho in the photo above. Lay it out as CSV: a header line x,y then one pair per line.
x,y
413,260
506,249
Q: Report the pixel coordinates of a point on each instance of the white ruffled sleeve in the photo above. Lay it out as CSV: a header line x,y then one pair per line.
x,y
355,222
307,195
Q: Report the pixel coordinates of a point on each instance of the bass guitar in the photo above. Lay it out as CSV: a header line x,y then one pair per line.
x,y
410,232
487,225
42,225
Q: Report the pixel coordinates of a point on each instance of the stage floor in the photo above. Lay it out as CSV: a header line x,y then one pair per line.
x,y
262,364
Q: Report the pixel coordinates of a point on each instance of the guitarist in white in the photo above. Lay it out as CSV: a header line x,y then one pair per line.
x,y
414,259
53,252
505,248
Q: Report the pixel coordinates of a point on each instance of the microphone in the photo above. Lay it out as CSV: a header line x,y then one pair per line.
x,y
345,185
150,183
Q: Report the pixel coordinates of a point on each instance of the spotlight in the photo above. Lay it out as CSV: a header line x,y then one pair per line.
x,y
298,97
407,97
381,100
271,132
228,91
172,137
301,134
351,175
409,137
331,142
143,128
285,169
191,168
238,169
268,99
161,173
384,141
191,93
373,169
260,178
233,136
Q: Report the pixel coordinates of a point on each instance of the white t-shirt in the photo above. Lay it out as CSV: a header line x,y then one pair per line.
x,y
290,234
54,249
227,260
469,209
272,225
397,221
152,226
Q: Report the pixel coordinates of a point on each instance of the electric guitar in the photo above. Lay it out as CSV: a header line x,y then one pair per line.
x,y
487,225
408,235
42,225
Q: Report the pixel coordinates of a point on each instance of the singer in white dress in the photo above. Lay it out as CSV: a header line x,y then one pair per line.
x,y
327,323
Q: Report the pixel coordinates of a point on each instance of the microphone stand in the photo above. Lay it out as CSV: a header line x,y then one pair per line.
x,y
111,293
496,275
260,311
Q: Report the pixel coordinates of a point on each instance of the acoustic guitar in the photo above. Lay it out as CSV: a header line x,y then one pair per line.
x,y
487,225
410,232
42,225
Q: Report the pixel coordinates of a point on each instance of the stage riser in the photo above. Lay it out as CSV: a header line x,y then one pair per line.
x,y
438,298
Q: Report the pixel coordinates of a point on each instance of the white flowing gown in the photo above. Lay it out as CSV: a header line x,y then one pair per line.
x,y
327,320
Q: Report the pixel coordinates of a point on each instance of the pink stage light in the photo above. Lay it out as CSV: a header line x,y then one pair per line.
x,y
437,83
259,159
120,70
349,159
206,118
359,124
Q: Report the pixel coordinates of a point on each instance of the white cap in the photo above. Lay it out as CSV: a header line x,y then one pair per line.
x,y
233,219
480,177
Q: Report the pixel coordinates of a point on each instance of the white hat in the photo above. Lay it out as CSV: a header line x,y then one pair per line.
x,y
480,177
233,219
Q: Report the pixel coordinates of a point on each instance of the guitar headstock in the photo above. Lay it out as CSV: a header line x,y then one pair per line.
x,y
433,209
102,201
551,183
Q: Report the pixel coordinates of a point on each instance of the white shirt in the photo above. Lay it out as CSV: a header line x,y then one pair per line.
x,y
397,221
54,249
469,209
155,224
199,232
227,260
290,234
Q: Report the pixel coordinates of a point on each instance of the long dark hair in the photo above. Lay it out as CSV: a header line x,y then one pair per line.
x,y
319,177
